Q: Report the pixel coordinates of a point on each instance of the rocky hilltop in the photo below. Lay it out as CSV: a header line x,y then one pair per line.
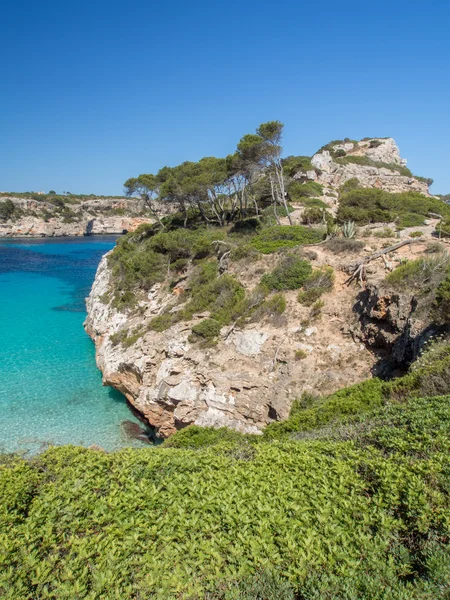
x,y
161,356
374,162
49,216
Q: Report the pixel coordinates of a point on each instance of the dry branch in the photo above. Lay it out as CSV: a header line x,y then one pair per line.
x,y
360,267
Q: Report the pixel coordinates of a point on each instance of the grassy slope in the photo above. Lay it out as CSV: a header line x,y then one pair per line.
x,y
360,510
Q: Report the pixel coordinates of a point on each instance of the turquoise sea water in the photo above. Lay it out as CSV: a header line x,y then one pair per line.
x,y
50,388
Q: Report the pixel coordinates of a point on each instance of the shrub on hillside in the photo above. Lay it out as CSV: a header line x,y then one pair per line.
x,y
443,300
7,208
349,185
319,282
298,190
294,164
282,237
289,274
443,228
315,202
208,330
372,205
339,245
422,274
313,215
359,512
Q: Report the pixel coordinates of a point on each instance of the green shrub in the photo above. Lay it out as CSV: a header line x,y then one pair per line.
x,y
349,185
223,296
298,190
339,245
293,164
443,300
372,205
314,214
183,243
161,322
263,585
319,282
268,216
7,208
315,203
244,251
282,237
386,232
350,401
443,228
126,338
416,234
195,437
368,162
249,225
180,265
421,275
357,510
300,354
289,274
409,219
276,304
316,310
208,329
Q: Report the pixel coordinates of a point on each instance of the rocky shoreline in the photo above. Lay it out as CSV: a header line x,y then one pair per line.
x,y
99,216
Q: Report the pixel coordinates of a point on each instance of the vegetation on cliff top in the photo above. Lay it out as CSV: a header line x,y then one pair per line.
x,y
371,205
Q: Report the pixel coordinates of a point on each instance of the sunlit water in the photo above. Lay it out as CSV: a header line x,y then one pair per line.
x,y
50,388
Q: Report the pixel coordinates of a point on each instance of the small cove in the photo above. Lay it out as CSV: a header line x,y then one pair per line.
x,y
50,388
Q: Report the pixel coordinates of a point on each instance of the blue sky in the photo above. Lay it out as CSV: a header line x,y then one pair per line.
x,y
95,92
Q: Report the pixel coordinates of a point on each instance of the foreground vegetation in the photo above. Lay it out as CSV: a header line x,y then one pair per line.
x,y
348,499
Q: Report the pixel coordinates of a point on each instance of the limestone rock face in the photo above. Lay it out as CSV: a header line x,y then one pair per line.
x,y
250,378
92,217
394,322
334,174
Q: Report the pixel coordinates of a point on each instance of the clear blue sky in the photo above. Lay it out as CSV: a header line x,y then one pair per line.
x,y
95,92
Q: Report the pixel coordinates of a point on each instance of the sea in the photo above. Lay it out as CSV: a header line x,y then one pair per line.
x,y
51,391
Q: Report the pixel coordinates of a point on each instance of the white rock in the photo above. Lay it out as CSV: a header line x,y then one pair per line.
x,y
249,343
309,331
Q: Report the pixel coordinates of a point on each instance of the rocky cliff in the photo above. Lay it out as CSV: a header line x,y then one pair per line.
x,y
374,162
248,379
44,218
257,368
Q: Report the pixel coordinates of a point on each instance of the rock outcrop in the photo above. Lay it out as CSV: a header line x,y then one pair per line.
x,y
247,380
385,172
395,323
254,373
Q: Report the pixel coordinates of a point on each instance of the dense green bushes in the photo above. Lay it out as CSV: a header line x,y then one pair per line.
x,y
143,258
369,205
290,274
294,164
298,191
232,517
7,208
280,237
339,245
349,498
